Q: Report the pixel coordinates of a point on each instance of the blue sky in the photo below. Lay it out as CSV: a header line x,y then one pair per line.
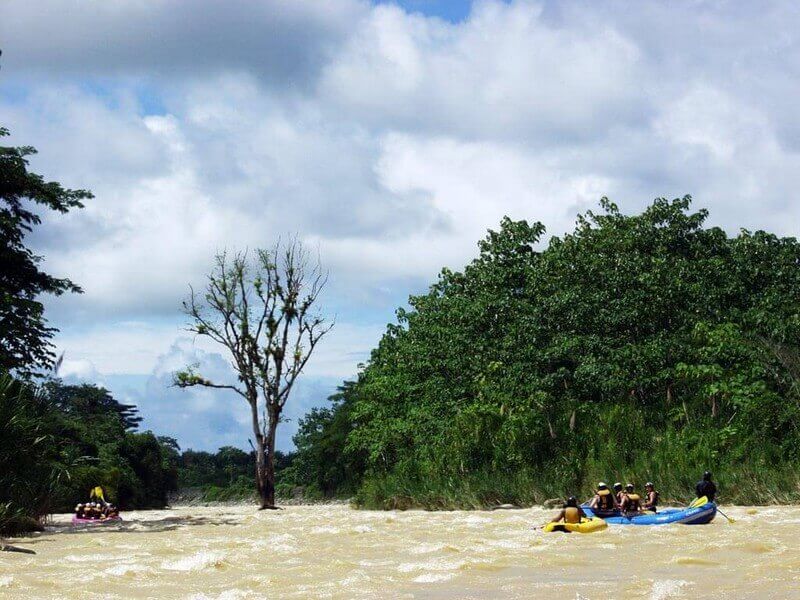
x,y
388,135
450,10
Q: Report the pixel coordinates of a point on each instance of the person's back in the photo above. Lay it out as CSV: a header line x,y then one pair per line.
x,y
604,501
631,501
571,513
706,487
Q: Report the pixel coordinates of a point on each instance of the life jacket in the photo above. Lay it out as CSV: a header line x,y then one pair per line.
x,y
97,493
572,515
634,502
605,501
654,502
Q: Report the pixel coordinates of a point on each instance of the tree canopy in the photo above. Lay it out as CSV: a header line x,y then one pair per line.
x,y
24,332
644,346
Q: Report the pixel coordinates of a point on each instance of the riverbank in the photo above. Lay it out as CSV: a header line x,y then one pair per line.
x,y
233,552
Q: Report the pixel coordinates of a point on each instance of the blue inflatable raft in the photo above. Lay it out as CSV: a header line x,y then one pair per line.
x,y
699,515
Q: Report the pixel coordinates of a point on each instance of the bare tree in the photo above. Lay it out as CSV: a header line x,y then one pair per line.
x,y
263,312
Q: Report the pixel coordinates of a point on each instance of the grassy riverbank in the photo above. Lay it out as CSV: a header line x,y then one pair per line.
x,y
481,491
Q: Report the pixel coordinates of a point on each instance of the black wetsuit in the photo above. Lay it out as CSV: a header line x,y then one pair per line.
x,y
707,489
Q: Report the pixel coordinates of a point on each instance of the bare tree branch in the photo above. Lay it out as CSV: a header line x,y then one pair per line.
x,y
262,312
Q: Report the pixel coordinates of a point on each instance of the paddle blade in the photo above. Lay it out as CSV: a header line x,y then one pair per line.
x,y
699,502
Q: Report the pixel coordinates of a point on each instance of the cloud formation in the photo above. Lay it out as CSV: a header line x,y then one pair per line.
x,y
388,139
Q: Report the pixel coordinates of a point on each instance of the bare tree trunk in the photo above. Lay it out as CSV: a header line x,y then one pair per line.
x,y
261,472
267,492
260,450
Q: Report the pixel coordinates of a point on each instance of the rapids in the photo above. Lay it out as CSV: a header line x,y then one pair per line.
x,y
236,552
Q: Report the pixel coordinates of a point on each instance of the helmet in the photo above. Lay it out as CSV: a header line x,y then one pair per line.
x,y
629,487
649,484
618,487
601,486
707,476
572,501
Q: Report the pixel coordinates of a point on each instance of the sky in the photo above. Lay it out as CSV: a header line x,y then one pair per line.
x,y
389,136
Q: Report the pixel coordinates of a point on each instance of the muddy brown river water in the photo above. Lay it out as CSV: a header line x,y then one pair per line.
x,y
336,552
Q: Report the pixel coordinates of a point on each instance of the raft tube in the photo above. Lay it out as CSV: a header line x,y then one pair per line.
x,y
78,521
589,525
698,515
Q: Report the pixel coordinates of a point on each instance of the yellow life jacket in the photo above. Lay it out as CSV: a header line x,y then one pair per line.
x,y
606,502
97,492
572,515
633,502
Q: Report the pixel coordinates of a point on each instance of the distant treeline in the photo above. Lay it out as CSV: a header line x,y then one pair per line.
x,y
637,347
227,474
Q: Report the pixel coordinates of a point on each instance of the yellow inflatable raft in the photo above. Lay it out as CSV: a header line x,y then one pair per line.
x,y
589,525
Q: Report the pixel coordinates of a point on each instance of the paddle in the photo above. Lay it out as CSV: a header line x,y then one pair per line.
x,y
731,521
699,502
704,500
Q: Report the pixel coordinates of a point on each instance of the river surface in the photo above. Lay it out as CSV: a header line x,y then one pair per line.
x,y
335,552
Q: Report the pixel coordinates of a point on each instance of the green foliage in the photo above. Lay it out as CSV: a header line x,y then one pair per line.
x,y
203,469
30,465
24,333
322,465
637,347
229,473
59,441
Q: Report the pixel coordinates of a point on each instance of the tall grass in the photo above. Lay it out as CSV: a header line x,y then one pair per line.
x,y
673,459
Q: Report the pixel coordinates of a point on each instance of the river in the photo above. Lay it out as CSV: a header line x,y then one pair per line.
x,y
236,552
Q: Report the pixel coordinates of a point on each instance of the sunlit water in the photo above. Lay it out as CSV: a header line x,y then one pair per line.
x,y
337,552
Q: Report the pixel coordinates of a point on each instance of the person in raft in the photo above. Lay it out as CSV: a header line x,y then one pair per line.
x,y
571,513
650,497
604,502
706,487
618,493
631,501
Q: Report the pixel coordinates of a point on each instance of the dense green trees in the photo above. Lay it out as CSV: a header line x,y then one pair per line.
x,y
59,441
30,462
645,346
24,333
322,464
224,475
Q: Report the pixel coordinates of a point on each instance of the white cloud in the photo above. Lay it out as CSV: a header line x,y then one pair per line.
x,y
204,418
390,141
504,73
79,370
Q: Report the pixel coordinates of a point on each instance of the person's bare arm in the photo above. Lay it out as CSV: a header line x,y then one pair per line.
x,y
559,517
